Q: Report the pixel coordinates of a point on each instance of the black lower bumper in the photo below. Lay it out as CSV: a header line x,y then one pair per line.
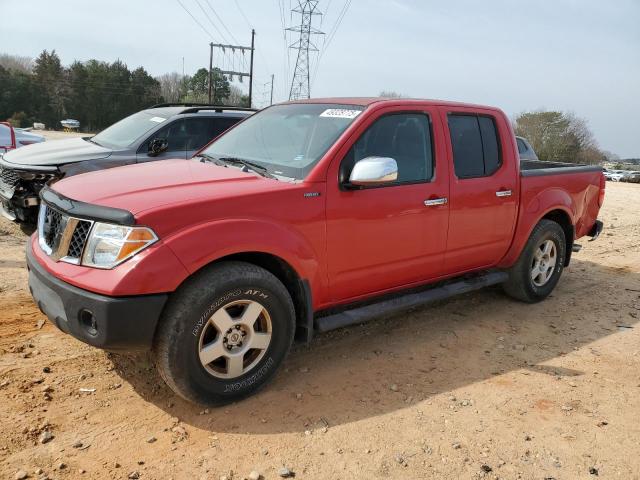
x,y
111,323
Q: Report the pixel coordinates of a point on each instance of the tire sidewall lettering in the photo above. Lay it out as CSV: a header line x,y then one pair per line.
x,y
223,300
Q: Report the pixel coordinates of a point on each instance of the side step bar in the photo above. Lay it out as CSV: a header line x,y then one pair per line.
x,y
405,302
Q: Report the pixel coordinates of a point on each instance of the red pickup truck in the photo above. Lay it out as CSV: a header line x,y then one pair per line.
x,y
305,217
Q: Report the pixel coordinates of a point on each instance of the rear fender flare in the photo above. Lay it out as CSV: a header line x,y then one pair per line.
x,y
530,214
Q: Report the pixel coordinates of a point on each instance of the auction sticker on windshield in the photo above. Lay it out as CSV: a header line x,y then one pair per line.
x,y
157,119
340,113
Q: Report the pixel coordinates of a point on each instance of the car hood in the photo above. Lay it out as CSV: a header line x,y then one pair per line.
x,y
57,152
152,185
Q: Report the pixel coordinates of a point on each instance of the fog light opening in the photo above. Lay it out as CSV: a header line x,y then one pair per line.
x,y
88,322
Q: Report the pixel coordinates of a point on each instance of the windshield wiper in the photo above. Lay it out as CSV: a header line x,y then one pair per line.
x,y
208,158
259,169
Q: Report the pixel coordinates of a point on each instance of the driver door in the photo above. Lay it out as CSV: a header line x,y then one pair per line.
x,y
384,237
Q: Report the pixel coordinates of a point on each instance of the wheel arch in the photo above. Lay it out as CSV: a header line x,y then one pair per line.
x,y
562,218
297,286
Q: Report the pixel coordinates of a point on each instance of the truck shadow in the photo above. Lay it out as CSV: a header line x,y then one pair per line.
x,y
390,364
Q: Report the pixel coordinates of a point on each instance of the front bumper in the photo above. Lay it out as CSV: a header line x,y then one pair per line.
x,y
111,323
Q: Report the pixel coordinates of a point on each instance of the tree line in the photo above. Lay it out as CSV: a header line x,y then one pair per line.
x,y
561,137
95,93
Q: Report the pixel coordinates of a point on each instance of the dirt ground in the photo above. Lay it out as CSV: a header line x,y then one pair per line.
x,y
479,386
59,135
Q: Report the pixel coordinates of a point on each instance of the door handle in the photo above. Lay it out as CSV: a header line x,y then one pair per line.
x,y
503,193
435,201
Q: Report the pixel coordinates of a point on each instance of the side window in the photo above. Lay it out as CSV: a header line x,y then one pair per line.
x,y
218,125
405,137
476,152
175,134
198,132
521,146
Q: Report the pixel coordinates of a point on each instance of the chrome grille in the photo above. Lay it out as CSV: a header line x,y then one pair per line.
x,y
52,228
78,239
8,179
61,236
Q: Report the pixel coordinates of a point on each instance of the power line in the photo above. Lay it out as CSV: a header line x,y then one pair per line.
x,y
332,33
215,27
221,22
242,13
195,20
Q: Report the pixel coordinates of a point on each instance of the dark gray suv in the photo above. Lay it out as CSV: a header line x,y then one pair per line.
x,y
160,132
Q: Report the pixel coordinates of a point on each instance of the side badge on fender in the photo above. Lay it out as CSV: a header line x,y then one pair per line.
x,y
311,194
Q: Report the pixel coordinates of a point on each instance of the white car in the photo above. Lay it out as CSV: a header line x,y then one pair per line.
x,y
614,175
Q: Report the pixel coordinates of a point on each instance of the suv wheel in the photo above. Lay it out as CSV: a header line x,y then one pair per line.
x,y
538,270
224,333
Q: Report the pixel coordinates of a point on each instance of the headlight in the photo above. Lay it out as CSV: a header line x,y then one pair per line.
x,y
109,245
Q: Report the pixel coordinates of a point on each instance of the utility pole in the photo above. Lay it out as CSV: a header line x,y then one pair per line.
x,y
271,101
253,35
210,69
233,73
300,83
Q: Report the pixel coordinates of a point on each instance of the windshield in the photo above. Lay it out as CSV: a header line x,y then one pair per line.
x,y
123,133
287,140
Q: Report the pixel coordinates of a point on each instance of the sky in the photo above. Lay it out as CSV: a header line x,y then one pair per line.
x,y
581,56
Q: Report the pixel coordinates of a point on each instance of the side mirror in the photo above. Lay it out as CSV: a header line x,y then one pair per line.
x,y
374,171
157,146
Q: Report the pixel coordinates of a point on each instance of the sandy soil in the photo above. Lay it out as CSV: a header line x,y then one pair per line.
x,y
59,135
476,387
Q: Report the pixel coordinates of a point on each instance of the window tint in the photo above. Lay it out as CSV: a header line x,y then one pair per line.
x,y
201,131
521,146
490,146
175,134
219,125
476,152
404,137
467,145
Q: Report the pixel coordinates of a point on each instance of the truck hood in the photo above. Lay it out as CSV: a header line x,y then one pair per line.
x,y
57,152
147,186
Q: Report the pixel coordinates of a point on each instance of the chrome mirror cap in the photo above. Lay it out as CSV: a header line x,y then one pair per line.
x,y
373,171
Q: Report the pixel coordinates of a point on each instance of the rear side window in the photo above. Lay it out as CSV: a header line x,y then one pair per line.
x,y
521,146
201,130
221,124
476,151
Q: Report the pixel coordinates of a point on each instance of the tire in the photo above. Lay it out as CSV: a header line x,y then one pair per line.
x,y
212,315
523,283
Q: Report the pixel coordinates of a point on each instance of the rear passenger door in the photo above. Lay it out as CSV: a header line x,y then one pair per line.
x,y
483,192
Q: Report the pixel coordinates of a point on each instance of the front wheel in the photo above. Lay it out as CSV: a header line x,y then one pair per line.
x,y
224,333
538,270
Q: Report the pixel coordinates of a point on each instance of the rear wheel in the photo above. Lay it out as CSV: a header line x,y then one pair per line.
x,y
224,333
538,270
